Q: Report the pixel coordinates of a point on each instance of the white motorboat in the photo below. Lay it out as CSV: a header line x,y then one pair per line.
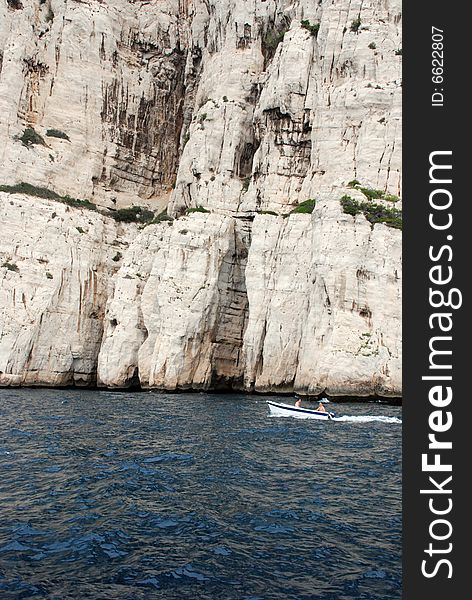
x,y
278,409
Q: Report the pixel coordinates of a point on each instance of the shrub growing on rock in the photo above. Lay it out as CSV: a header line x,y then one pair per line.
x,y
267,212
312,28
57,134
197,209
161,218
356,24
10,266
30,138
374,213
133,214
354,183
306,207
350,206
46,194
371,193
15,4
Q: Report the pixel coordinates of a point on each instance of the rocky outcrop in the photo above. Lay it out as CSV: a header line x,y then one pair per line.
x,y
241,111
179,322
56,267
131,84
324,305
304,313
204,302
299,112
110,78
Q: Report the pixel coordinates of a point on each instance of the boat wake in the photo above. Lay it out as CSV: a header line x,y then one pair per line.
x,y
368,419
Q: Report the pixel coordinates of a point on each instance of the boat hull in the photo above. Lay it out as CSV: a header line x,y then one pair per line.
x,y
277,409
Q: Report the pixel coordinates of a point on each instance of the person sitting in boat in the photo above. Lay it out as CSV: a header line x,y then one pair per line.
x,y
298,403
321,407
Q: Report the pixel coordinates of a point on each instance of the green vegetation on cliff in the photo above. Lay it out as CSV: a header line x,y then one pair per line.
x,y
46,194
374,213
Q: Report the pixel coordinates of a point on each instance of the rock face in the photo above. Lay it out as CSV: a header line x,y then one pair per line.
x,y
324,295
56,268
180,323
110,77
244,109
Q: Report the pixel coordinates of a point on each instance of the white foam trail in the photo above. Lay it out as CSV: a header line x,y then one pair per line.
x,y
368,419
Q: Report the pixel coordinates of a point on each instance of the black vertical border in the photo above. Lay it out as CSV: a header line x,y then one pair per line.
x,y
428,128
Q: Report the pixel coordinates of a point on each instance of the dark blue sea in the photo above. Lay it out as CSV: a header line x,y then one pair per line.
x,y
199,496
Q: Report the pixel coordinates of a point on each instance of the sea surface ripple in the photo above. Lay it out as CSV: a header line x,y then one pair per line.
x,y
200,496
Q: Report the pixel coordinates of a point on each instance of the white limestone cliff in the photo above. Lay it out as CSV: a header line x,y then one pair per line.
x,y
56,267
243,109
324,297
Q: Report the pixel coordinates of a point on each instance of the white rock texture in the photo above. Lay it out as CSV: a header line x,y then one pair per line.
x,y
56,267
107,74
229,105
324,297
179,323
